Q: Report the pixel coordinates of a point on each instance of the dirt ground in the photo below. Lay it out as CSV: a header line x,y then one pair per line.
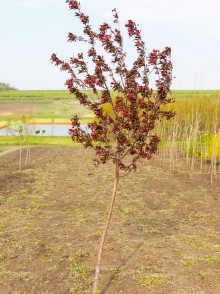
x,y
9,109
164,235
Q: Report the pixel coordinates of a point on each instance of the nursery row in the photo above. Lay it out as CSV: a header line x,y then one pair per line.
x,y
193,135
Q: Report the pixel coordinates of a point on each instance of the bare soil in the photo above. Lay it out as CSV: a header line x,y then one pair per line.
x,y
10,109
164,235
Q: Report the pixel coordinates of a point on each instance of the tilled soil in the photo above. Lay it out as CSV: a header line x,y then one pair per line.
x,y
164,235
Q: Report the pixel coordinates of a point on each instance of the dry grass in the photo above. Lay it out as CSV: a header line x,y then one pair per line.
x,y
3,124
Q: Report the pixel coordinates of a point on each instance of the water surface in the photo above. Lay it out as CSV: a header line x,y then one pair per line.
x,y
49,130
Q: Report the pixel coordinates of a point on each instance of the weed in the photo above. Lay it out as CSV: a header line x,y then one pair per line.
x,y
188,262
74,211
78,270
120,269
177,250
216,283
150,230
125,211
99,232
173,202
29,229
57,249
46,257
2,226
79,256
35,206
197,241
196,217
153,279
212,258
29,259
203,275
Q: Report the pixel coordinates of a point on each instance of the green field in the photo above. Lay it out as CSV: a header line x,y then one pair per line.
x,y
40,105
34,140
61,104
53,95
33,96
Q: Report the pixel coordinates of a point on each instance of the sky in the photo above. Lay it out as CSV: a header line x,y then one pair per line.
x,y
31,30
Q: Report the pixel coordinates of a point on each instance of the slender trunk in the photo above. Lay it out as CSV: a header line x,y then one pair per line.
x,y
28,155
20,154
111,204
26,159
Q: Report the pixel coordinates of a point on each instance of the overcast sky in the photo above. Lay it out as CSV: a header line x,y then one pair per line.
x,y
31,30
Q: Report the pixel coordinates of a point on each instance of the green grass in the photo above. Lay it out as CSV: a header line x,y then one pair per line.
x,y
41,105
33,140
40,96
33,96
37,96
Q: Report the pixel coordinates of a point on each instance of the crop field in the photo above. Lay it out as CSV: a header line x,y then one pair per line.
x,y
39,106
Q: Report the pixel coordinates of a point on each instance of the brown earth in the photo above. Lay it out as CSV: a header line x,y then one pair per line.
x,y
164,235
8,109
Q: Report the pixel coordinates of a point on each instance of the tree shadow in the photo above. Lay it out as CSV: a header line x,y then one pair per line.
x,y
114,274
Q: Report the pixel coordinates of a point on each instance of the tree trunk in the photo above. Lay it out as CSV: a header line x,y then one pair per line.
x,y
111,204
20,154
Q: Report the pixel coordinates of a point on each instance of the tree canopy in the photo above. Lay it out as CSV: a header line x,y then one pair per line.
x,y
6,87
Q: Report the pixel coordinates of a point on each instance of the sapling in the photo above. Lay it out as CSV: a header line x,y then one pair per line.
x,y
40,132
19,127
125,107
28,130
24,131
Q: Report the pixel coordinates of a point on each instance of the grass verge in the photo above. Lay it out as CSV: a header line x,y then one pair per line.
x,y
33,140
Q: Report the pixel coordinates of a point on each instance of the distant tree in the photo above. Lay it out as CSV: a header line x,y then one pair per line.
x,y
6,87
124,134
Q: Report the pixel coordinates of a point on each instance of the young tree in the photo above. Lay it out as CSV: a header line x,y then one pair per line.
x,y
19,127
24,130
126,107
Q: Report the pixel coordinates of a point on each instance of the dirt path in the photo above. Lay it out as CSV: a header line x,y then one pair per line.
x,y
10,149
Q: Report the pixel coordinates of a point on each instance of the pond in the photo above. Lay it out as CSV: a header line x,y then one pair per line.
x,y
50,130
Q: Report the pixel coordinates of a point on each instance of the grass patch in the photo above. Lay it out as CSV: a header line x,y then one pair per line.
x,y
212,258
33,96
153,279
188,262
197,241
78,270
33,140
